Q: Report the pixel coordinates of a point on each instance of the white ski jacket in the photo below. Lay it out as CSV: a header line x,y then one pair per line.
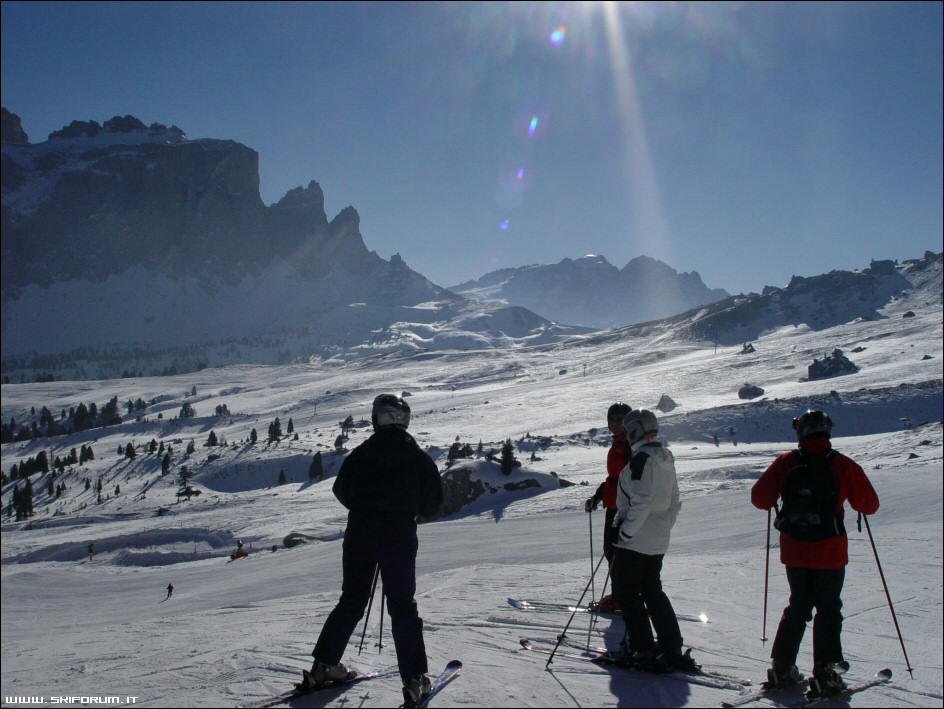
x,y
647,500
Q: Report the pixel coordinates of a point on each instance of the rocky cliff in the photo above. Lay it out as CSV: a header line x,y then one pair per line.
x,y
93,200
131,249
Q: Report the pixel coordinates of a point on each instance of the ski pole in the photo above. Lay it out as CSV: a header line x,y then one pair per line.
x,y
595,612
887,595
763,634
380,637
576,608
369,604
593,593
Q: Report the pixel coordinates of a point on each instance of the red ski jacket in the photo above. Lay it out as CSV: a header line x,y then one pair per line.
x,y
617,458
851,484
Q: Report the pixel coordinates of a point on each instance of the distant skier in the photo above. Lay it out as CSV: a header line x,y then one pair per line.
x,y
385,483
616,459
170,590
648,501
813,482
91,551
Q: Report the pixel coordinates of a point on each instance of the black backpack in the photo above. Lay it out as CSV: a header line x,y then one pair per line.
x,y
810,501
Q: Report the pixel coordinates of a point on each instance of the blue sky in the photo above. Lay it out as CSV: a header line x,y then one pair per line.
x,y
747,141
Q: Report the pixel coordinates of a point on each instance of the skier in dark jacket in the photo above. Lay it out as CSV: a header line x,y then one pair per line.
x,y
385,483
815,569
617,458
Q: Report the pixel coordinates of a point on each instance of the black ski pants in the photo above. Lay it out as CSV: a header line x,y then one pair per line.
x,y
610,534
637,584
392,546
811,588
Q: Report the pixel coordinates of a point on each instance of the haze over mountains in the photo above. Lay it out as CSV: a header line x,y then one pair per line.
x,y
586,291
179,474
161,254
129,249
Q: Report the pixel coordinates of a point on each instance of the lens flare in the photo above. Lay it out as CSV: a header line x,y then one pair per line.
x,y
521,173
533,126
558,35
504,225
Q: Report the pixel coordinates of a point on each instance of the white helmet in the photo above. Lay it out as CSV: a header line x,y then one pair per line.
x,y
640,424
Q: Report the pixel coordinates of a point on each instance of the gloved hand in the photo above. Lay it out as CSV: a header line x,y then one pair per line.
x,y
618,524
590,505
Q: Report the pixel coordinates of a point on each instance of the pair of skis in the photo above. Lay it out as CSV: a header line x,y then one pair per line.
x,y
716,680
701,677
546,606
450,672
786,696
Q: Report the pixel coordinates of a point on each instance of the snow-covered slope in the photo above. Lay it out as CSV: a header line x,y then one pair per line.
x,y
235,632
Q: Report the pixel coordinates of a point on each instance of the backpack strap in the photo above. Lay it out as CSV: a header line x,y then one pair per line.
x,y
805,458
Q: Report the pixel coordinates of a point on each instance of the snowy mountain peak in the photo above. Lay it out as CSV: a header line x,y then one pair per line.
x,y
579,290
120,130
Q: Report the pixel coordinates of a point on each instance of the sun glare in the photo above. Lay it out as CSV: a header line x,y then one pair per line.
x,y
647,213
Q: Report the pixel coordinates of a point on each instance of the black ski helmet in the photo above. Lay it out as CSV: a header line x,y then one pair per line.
x,y
390,410
618,410
811,423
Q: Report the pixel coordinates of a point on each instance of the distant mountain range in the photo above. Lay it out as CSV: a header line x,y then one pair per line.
x,y
130,250
581,291
882,289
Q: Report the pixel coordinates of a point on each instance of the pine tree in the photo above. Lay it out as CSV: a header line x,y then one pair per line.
x,y
129,451
24,500
184,478
291,427
508,461
253,436
165,464
275,431
282,478
110,415
211,439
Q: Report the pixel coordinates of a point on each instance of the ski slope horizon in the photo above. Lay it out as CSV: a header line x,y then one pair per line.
x,y
237,632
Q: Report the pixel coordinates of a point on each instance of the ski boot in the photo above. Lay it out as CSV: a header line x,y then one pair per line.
x,y
782,676
827,679
321,674
680,661
650,660
415,690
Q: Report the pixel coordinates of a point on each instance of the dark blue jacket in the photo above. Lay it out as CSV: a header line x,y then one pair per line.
x,y
389,476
